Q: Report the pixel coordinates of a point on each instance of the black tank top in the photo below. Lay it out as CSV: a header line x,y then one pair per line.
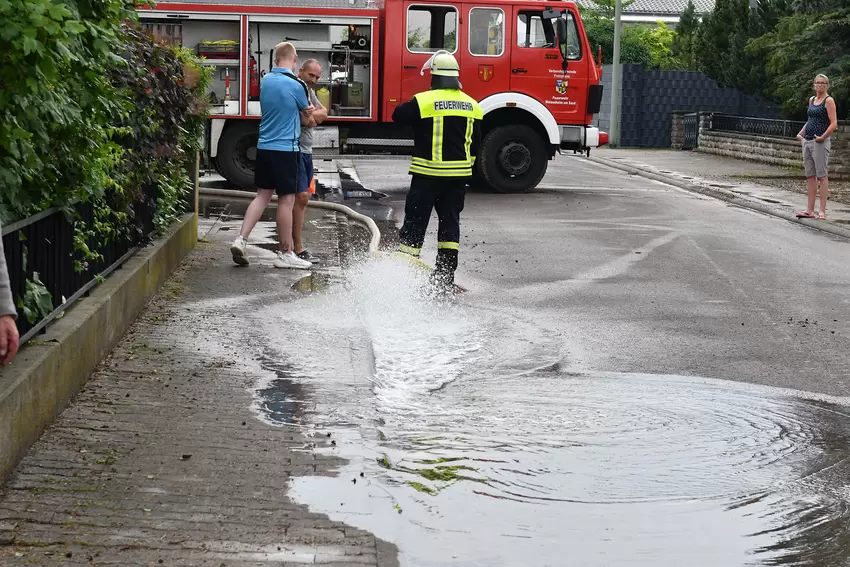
x,y
818,120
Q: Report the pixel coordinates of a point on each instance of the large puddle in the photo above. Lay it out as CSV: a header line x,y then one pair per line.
x,y
471,443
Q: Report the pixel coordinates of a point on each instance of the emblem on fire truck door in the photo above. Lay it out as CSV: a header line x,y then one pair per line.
x,y
561,86
485,72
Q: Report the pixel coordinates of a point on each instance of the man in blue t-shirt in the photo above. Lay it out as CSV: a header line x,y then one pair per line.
x,y
283,100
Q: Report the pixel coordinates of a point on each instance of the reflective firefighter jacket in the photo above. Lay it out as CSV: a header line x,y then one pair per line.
x,y
446,132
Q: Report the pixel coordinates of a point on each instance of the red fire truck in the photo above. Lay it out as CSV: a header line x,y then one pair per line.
x,y
528,63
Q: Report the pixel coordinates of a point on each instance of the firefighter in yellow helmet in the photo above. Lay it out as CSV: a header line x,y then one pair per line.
x,y
446,126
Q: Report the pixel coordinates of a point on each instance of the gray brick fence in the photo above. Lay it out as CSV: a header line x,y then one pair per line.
x,y
650,97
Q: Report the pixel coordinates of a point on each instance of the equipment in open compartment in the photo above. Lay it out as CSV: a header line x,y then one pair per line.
x,y
356,40
221,49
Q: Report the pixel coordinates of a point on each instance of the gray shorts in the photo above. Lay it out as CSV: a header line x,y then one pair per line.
x,y
816,157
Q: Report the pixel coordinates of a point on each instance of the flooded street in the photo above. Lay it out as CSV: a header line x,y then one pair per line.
x,y
470,441
636,376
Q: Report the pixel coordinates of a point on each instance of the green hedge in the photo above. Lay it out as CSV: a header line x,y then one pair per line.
x,y
92,109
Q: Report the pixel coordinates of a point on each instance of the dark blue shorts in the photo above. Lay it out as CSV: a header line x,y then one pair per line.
x,y
278,171
305,175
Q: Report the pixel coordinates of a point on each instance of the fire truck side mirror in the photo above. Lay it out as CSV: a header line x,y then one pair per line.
x,y
561,36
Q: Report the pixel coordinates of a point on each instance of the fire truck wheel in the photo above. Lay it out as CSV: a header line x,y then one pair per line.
x,y
513,159
237,151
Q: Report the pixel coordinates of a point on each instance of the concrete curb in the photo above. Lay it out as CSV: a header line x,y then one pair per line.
x,y
52,368
728,196
357,217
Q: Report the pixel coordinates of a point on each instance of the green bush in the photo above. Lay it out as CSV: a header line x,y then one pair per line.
x,y
57,105
643,45
161,124
92,109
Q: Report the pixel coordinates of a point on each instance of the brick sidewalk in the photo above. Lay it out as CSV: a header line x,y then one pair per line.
x,y
729,170
159,461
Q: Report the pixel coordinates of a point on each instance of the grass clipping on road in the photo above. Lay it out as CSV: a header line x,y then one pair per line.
x,y
445,475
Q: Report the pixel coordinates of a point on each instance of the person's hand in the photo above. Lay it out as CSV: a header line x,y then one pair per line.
x,y
309,110
8,339
800,137
819,139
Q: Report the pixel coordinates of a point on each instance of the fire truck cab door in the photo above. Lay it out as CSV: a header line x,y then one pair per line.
x,y
485,57
536,65
429,27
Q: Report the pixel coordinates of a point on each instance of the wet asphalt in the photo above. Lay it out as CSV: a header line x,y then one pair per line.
x,y
645,277
637,375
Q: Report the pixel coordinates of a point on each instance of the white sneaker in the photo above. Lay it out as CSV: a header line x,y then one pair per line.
x,y
237,249
290,260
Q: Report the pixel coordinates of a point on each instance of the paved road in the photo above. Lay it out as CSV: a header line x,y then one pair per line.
x,y
598,386
644,277
567,406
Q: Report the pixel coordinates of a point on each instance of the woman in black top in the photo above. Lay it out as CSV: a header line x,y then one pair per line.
x,y
815,134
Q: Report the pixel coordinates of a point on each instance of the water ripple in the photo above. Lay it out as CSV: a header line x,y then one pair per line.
x,y
465,416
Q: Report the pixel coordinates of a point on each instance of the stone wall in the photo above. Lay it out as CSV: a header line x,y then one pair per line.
x,y
677,126
765,149
677,130
773,150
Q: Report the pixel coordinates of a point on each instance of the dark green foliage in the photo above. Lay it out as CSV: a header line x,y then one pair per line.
x,y
56,102
161,123
683,42
777,49
600,33
647,45
721,40
92,109
801,46
773,49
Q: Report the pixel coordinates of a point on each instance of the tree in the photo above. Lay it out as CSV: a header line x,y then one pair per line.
x,y
607,7
650,47
799,47
416,39
450,41
712,39
720,43
776,49
683,41
658,41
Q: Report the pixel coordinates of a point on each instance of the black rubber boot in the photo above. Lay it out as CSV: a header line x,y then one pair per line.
x,y
443,277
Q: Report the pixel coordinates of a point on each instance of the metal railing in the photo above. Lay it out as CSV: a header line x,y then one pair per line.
x,y
43,244
760,126
690,134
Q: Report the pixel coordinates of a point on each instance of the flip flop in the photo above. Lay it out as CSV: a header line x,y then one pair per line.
x,y
821,216
805,215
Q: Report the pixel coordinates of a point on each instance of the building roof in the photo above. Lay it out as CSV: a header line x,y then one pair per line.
x,y
666,7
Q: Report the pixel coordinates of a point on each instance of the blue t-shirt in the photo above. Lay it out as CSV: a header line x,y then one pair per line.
x,y
282,97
